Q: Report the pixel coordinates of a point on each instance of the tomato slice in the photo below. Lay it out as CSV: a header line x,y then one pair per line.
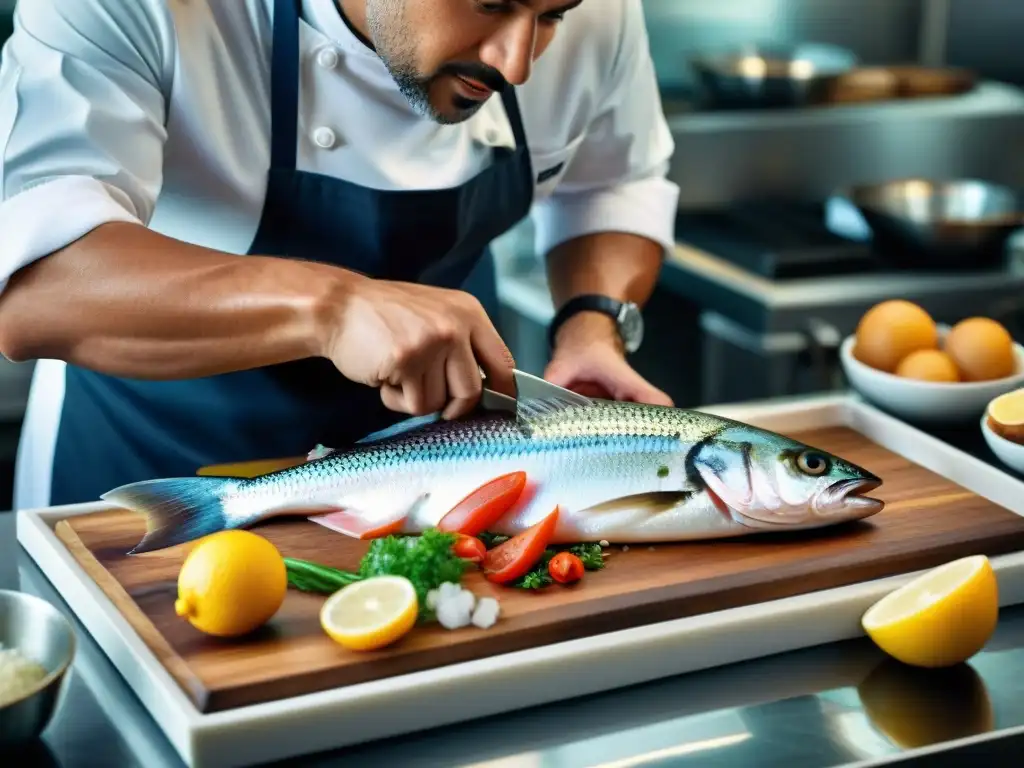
x,y
357,526
485,506
469,548
565,568
514,558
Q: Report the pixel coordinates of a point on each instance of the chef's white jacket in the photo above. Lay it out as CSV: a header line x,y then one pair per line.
x,y
158,111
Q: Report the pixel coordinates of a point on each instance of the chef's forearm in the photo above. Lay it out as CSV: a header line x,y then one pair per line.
x,y
128,301
620,265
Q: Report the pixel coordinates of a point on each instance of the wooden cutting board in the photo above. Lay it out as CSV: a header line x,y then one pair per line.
x,y
927,521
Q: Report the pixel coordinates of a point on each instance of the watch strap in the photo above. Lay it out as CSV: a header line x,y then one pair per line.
x,y
585,303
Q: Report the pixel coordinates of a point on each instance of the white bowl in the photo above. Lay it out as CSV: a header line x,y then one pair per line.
x,y
927,402
1007,451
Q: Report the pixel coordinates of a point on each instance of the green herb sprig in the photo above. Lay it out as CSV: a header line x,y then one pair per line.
x,y
427,561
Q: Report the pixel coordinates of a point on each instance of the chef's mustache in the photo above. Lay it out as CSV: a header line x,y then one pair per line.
x,y
482,73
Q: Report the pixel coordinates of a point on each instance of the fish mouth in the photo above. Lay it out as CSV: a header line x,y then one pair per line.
x,y
847,497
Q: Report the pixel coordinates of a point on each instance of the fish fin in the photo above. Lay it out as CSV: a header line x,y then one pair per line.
x,y
529,387
654,502
361,515
319,452
536,398
529,411
177,510
406,425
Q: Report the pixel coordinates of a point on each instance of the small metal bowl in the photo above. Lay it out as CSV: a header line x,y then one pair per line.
x,y
768,75
947,225
43,634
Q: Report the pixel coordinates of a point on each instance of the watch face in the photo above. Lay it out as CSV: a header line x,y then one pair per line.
x,y
631,326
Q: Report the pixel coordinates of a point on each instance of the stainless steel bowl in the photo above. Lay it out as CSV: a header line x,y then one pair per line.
x,y
949,225
768,75
42,633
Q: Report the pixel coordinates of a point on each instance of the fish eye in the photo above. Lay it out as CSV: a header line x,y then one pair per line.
x,y
812,463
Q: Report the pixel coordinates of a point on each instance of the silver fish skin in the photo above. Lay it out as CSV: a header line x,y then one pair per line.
x,y
622,472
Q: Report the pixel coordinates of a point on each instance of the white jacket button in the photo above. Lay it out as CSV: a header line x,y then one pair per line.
x,y
324,138
327,58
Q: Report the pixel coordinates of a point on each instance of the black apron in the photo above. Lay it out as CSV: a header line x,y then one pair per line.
x,y
115,430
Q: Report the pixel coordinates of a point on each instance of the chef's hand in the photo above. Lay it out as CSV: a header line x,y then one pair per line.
x,y
589,360
422,346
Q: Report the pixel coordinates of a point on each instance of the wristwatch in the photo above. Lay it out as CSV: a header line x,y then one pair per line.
x,y
626,314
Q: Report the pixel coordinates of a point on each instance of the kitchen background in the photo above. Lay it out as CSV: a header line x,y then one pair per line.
x,y
773,269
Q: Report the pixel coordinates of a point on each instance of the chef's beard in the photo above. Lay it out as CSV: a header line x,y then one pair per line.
x,y
393,41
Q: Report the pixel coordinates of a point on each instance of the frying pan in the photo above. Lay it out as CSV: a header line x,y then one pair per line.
x,y
959,224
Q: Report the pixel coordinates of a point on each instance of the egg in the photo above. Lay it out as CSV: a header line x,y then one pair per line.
x,y
981,348
890,331
928,365
1005,416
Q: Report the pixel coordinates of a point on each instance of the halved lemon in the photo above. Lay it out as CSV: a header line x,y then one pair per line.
x,y
941,618
370,614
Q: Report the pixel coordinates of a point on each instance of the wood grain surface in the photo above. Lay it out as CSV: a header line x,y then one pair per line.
x,y
927,521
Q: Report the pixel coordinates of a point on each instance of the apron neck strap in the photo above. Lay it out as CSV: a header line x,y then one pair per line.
x,y
284,85
284,89
511,104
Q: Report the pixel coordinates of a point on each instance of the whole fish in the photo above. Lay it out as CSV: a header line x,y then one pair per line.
x,y
620,472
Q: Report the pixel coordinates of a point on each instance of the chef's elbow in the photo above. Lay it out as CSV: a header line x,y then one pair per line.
x,y
14,347
18,342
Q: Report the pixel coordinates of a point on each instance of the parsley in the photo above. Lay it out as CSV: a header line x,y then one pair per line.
x,y
538,577
590,555
427,561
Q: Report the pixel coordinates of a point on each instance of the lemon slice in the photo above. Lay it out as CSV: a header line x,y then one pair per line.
x,y
1006,415
370,614
941,618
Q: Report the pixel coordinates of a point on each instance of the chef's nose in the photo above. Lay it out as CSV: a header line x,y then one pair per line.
x,y
510,49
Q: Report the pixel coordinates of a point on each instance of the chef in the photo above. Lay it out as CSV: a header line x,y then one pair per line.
x,y
235,229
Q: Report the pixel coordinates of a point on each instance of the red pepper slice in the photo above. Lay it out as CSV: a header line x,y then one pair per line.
x,y
485,506
357,526
514,558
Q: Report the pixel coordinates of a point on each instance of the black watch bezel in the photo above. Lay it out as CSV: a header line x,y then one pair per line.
x,y
622,312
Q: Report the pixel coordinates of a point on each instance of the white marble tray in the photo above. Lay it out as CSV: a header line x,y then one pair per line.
x,y
336,718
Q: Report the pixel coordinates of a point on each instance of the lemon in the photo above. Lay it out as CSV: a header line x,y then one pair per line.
x,y
370,614
941,618
231,583
917,707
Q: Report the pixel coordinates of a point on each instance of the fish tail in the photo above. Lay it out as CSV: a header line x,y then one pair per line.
x,y
177,509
